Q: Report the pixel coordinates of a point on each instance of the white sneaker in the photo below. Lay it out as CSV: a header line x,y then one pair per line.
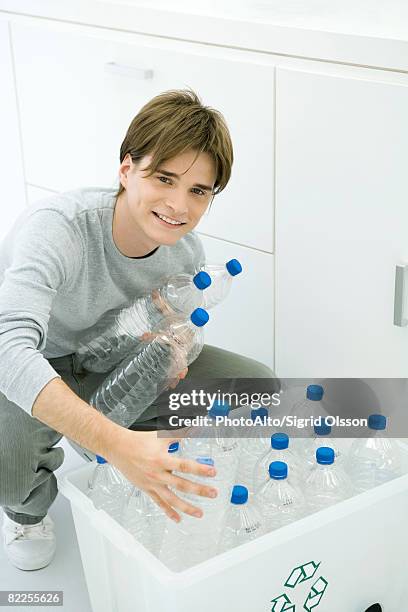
x,y
29,547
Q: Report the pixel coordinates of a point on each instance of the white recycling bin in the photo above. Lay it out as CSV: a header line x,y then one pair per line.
x,y
342,559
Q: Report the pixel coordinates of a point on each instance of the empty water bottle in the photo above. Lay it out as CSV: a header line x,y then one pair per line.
x,y
260,432
194,540
327,483
157,517
254,448
311,406
135,516
108,488
222,446
373,461
243,520
183,293
307,451
221,277
143,518
127,391
280,502
278,451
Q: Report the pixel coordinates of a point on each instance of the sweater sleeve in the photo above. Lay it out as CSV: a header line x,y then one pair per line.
x,y
46,257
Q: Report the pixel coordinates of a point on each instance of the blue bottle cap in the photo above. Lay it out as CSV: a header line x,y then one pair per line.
x,y
219,409
259,412
239,495
279,441
202,280
173,448
314,392
205,460
322,430
100,460
234,267
325,455
278,470
377,421
199,317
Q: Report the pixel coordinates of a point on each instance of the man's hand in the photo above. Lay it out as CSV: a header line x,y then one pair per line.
x,y
141,456
144,459
177,379
148,337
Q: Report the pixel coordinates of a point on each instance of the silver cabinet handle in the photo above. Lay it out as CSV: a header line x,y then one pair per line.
x,y
129,71
401,282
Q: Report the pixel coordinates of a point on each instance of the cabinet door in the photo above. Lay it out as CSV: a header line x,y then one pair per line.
x,y
11,163
342,225
79,92
243,323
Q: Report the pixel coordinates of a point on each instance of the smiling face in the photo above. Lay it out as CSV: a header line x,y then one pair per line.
x,y
180,191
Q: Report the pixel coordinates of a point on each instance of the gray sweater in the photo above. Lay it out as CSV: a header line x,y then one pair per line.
x,y
60,272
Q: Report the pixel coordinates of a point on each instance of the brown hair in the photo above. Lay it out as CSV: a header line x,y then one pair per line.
x,y
173,122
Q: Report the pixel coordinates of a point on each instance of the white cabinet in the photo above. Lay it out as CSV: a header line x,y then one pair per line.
x,y
37,193
317,204
244,323
80,90
342,225
11,162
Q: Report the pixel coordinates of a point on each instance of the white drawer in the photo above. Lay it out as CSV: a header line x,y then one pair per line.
x,y
244,323
75,114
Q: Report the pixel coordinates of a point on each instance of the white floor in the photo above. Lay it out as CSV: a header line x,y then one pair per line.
x,y
65,572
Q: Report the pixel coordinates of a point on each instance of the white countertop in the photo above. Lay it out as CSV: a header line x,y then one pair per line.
x,y
362,32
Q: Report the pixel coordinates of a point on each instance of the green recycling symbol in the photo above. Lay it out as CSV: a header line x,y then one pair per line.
x,y
300,574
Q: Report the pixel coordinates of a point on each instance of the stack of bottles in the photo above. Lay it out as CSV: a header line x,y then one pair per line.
x,y
179,296
263,485
173,320
126,392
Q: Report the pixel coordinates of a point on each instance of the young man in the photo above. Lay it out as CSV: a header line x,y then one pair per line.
x,y
69,260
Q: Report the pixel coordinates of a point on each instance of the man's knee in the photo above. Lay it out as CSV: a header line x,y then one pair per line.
x,y
251,368
257,369
214,362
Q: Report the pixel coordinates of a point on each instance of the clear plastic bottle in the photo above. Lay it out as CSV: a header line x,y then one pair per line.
x,y
157,517
280,502
327,483
135,516
278,451
310,407
307,452
252,449
143,518
194,540
108,488
243,520
182,294
221,276
223,446
373,461
127,391
261,432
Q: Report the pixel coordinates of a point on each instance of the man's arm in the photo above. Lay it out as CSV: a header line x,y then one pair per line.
x,y
61,409
141,456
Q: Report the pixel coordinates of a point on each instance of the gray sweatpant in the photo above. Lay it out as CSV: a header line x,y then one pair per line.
x,y
28,451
